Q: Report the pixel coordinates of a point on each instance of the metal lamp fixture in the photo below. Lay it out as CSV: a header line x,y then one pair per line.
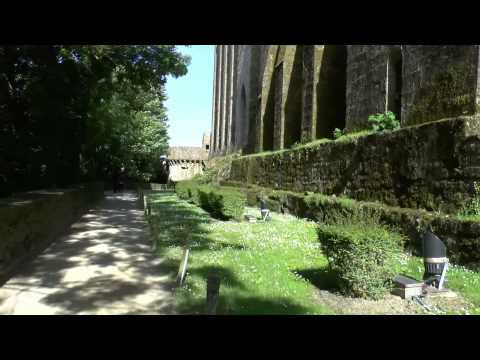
x,y
264,212
435,260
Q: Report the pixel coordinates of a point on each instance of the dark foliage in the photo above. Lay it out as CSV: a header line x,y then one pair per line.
x,y
72,113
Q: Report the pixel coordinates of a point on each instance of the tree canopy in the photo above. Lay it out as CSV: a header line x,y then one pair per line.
x,y
72,113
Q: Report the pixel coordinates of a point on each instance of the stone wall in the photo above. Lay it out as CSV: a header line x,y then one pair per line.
x,y
366,86
29,222
431,166
184,170
241,91
279,95
439,82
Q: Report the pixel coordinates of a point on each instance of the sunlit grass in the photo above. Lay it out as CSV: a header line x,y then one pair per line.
x,y
258,262
459,279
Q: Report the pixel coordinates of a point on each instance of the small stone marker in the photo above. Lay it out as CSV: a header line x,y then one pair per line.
x,y
183,267
213,291
251,218
406,287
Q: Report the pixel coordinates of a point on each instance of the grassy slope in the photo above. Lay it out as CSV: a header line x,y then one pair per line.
x,y
261,264
258,262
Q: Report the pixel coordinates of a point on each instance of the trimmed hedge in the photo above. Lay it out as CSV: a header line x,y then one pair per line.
x,y
460,235
222,203
362,255
187,190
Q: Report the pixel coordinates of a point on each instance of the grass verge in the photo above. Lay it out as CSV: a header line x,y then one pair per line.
x,y
259,263
266,268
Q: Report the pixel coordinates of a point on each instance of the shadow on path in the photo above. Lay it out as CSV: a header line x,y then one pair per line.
x,y
105,265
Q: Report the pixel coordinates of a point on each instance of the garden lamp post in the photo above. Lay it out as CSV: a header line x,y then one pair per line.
x,y
435,260
264,212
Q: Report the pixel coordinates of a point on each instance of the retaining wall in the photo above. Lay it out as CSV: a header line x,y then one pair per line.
x,y
30,221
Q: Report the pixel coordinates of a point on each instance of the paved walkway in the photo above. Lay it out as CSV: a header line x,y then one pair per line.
x,y
103,266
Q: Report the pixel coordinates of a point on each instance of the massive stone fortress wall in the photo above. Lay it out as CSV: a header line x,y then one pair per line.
x,y
285,95
269,97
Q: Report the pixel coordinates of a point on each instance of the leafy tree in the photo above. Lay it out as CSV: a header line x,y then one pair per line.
x,y
68,113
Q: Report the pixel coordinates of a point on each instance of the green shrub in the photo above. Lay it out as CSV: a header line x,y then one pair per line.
x,y
222,203
384,121
473,207
185,189
362,255
338,133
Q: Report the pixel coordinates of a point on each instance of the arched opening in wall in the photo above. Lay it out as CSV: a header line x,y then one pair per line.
x,y
394,78
331,91
293,103
268,119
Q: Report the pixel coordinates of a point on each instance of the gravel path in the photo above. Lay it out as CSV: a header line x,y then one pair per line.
x,y
105,265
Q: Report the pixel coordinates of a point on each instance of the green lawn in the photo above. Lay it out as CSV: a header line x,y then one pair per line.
x,y
259,264
266,268
462,280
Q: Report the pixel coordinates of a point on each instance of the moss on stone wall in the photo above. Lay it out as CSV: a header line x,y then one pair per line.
x,y
447,94
431,166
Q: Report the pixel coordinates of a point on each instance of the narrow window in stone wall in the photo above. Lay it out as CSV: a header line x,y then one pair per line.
x,y
234,132
394,82
269,118
308,78
278,109
331,91
243,117
293,103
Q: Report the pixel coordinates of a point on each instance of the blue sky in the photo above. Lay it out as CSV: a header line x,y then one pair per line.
x,y
189,101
